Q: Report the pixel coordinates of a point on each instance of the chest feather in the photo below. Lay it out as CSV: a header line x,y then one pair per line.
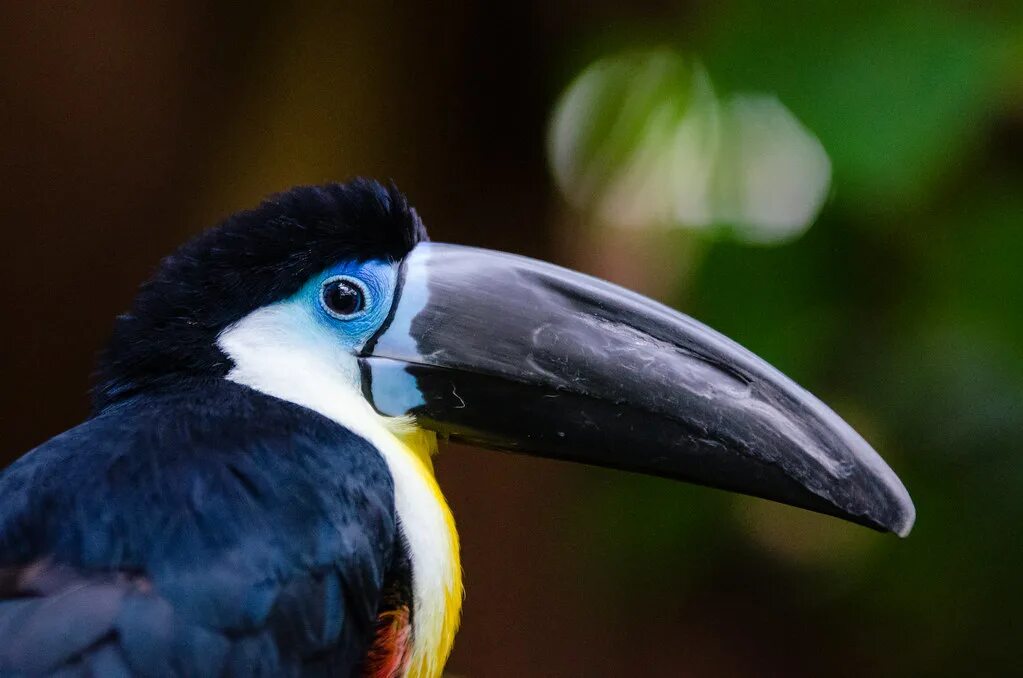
x,y
429,530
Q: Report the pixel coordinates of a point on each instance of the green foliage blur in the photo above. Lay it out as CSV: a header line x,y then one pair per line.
x,y
902,307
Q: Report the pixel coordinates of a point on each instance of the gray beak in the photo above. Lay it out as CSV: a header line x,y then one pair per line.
x,y
514,354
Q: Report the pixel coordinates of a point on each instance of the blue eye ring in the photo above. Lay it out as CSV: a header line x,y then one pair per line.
x,y
344,297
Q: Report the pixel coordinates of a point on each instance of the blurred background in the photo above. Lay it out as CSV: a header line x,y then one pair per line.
x,y
837,186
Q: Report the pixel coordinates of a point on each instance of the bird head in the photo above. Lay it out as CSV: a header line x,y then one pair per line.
x,y
336,289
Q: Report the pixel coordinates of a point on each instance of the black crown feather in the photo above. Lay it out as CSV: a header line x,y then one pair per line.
x,y
251,259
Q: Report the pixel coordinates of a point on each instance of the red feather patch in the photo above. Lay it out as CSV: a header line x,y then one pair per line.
x,y
392,647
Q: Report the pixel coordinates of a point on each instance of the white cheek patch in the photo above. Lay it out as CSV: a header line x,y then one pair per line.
x,y
278,347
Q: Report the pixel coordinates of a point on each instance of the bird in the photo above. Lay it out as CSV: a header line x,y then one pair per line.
x,y
253,492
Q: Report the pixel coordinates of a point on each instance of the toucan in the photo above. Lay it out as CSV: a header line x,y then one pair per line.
x,y
253,492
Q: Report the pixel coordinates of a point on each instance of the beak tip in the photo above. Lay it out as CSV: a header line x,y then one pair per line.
x,y
907,518
904,531
901,509
883,498
871,494
897,514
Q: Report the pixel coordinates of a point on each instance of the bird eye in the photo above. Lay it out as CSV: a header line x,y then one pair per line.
x,y
343,298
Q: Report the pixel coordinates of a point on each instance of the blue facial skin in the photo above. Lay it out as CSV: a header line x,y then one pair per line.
x,y
376,278
395,392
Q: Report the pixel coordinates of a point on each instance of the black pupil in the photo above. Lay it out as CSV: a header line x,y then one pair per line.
x,y
343,297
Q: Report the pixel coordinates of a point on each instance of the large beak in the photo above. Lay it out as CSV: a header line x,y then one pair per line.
x,y
510,353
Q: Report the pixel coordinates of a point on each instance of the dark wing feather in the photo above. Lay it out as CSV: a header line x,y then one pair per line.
x,y
203,532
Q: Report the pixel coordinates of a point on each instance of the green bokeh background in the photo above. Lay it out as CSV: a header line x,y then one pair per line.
x,y
902,306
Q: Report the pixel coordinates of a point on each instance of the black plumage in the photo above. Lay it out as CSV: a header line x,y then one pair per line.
x,y
203,530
